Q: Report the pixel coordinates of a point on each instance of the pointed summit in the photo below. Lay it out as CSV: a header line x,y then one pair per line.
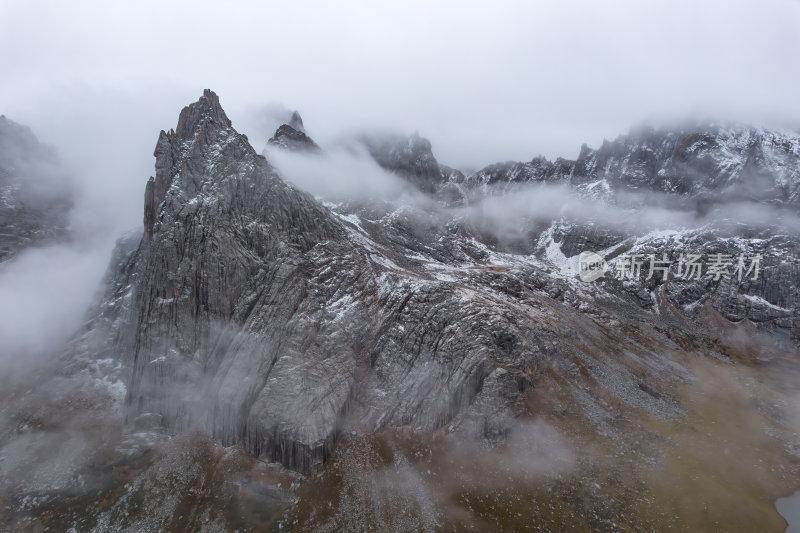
x,y
218,220
206,108
292,136
296,122
203,132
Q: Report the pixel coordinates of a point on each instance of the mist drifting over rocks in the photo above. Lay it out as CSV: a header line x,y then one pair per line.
x,y
349,291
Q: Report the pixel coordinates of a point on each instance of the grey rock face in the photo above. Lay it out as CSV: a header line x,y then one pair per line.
x,y
410,158
537,170
576,238
737,161
256,314
219,277
697,170
770,302
35,192
711,162
252,312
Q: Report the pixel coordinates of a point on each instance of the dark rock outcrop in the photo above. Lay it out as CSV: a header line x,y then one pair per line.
x,y
410,158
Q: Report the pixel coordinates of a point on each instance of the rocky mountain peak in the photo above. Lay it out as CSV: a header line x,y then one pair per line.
x,y
292,137
417,143
202,125
726,161
206,108
220,227
18,142
732,160
410,157
296,122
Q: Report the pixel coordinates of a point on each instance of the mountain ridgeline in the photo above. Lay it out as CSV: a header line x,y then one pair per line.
x,y
260,358
250,310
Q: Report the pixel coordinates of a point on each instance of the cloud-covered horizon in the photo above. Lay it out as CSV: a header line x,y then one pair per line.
x,y
484,84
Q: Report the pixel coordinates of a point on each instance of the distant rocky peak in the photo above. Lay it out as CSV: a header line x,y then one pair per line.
x,y
10,129
292,136
36,192
410,157
732,160
419,145
18,142
296,122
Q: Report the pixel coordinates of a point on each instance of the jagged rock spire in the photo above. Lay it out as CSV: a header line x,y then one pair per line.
x,y
208,107
296,122
200,125
292,136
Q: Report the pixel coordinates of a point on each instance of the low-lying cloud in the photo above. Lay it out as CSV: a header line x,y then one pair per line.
x,y
44,294
344,173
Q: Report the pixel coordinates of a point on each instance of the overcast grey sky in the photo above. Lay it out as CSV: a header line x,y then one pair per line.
x,y
484,82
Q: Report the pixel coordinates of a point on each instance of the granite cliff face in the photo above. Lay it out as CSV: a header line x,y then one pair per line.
x,y
35,192
220,293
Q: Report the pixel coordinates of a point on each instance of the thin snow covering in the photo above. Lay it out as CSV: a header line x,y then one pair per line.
x,y
564,266
599,190
8,196
731,161
353,219
780,148
659,236
757,300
